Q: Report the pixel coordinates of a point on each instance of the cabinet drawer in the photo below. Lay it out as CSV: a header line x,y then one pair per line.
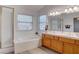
x,y
68,48
55,37
46,42
52,37
77,42
68,40
57,45
47,36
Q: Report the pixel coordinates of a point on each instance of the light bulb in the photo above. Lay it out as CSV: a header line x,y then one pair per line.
x,y
70,10
75,8
57,13
66,10
51,14
54,13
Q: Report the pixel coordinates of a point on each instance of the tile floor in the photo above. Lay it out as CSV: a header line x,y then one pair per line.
x,y
40,50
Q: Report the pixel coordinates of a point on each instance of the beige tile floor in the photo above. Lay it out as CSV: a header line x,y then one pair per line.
x,y
40,50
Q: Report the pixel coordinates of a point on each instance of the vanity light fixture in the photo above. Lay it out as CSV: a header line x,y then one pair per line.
x,y
51,14
57,13
70,10
54,13
75,8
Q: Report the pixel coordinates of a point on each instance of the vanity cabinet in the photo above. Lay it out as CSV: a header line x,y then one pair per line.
x,y
77,42
68,48
61,44
46,41
56,45
67,40
76,48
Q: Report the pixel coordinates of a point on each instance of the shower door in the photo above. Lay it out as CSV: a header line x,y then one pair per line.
x,y
7,27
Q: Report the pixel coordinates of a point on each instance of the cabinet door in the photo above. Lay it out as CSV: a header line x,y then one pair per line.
x,y
76,49
68,48
77,42
46,42
68,40
57,45
53,44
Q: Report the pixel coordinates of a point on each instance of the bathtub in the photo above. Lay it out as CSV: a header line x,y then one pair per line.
x,y
26,44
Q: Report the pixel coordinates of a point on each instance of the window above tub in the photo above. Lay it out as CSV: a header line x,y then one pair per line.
x,y
24,22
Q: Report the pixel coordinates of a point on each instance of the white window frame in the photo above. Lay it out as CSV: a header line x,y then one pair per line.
x,y
24,22
42,22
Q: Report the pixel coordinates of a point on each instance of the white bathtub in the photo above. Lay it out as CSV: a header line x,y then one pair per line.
x,y
27,44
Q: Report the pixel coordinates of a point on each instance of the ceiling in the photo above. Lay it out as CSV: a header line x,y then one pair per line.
x,y
36,8
33,8
56,7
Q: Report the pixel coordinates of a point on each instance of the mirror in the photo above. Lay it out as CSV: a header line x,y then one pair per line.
x,y
56,23
67,22
76,24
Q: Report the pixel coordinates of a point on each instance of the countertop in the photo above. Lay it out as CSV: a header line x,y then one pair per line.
x,y
72,35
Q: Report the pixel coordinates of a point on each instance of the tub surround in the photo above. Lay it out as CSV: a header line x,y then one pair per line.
x,y
25,44
61,42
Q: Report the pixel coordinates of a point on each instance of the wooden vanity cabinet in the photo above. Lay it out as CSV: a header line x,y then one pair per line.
x,y
67,40
76,48
46,41
69,45
68,48
56,45
77,42
61,44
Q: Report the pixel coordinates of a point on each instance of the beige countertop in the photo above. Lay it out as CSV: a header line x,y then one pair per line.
x,y
72,35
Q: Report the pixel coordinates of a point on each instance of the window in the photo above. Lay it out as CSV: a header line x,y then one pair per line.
x,y
42,22
24,22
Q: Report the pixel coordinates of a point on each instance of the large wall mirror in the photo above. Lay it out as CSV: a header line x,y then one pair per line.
x,y
66,22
